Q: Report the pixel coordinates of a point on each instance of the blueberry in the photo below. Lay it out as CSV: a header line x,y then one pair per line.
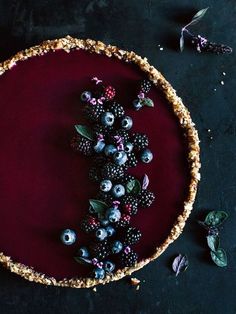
x,y
68,236
120,158
126,123
109,266
99,273
86,96
118,190
105,185
146,156
129,147
116,247
99,146
107,118
101,234
137,104
109,150
113,214
110,231
83,252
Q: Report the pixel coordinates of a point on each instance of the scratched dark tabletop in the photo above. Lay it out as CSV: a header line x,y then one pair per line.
x,y
142,26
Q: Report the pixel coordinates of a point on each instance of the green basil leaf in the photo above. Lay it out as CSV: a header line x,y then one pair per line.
x,y
147,102
213,241
82,260
129,186
219,257
198,16
215,218
85,131
98,206
133,186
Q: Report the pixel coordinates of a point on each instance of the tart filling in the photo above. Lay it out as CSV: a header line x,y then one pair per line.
x,y
43,182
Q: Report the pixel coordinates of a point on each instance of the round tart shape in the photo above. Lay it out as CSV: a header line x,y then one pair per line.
x,y
44,184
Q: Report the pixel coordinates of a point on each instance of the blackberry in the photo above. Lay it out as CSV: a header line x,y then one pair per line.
x,y
112,172
123,222
145,86
105,197
102,129
94,112
146,198
89,224
120,132
140,140
82,145
116,109
98,161
132,236
100,250
126,179
94,174
130,204
129,259
132,160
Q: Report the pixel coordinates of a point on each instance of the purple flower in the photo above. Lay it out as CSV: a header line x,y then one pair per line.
x,y
94,261
118,139
141,95
100,137
97,81
201,43
127,249
100,101
116,204
93,101
120,146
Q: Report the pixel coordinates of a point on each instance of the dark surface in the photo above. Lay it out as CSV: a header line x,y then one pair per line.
x,y
141,26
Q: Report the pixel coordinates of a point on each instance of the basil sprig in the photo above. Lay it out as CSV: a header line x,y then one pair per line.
x,y
212,221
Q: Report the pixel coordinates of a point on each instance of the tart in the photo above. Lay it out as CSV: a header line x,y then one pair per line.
x,y
44,185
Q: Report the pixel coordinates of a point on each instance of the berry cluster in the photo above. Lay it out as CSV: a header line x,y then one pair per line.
x,y
113,149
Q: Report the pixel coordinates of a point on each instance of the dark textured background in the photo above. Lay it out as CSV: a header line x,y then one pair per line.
x,y
141,26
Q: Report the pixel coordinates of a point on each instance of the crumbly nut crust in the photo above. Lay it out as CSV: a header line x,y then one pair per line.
x,y
68,43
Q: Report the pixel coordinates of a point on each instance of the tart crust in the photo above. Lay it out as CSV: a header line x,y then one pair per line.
x,y
68,43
